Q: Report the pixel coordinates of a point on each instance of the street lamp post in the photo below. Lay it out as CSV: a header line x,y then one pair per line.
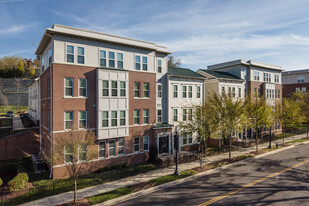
x,y
269,146
176,146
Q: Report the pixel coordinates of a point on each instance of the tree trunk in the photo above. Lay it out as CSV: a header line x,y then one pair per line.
x,y
75,188
256,140
269,146
201,159
230,143
307,130
283,136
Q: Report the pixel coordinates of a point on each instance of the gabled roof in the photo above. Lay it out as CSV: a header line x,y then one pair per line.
x,y
220,75
183,72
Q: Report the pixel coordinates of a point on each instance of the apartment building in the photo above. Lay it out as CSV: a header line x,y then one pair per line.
x,y
109,84
295,81
34,109
185,89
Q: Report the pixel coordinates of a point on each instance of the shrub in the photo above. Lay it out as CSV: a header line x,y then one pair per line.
x,y
1,182
111,167
20,180
153,153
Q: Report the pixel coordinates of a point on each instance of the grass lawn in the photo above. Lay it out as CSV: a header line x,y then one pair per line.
x,y
297,140
15,109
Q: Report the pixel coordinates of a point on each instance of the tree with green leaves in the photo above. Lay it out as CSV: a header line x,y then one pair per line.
x,y
302,103
20,68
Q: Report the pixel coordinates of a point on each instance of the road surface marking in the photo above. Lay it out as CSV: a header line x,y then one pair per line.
x,y
253,183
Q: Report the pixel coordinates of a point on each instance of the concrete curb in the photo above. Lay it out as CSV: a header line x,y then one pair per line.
x,y
208,172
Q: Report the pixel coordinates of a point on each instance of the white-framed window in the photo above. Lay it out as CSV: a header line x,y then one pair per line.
x,y
136,116
137,62
222,90
297,89
114,119
114,88
190,139
190,114
300,79
80,55
102,149
105,119
145,64
70,53
120,60
111,59
68,154
159,90
137,89
68,119
42,64
159,66
122,118
146,90
175,93
146,116
82,84
82,152
190,91
233,92
239,92
245,74
175,115
105,91
50,55
122,89
184,139
145,143
159,116
136,144
184,114
184,91
303,89
198,92
68,83
256,76
267,77
277,78
111,148
82,119
102,58
120,146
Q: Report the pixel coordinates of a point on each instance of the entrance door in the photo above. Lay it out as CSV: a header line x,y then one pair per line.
x,y
163,144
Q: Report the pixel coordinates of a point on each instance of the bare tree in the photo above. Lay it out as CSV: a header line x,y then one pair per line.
x,y
4,100
173,62
17,82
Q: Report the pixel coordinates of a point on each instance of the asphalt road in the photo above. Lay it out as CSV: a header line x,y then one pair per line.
x,y
272,186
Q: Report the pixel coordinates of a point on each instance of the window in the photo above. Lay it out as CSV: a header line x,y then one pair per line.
x,y
114,88
160,66
239,92
120,146
50,56
105,119
136,89
102,58
267,77
190,91
159,90
111,148
277,78
82,87
80,55
145,143
136,144
111,58
190,114
190,139
114,118
120,60
256,75
255,92
146,116
297,89
234,91
175,111
301,79
278,93
82,152
184,91
68,154
68,86
198,92
159,116
145,65
230,91
122,89
245,74
175,91
82,119
184,114
122,118
68,119
102,149
184,139
303,89
105,88
137,63
136,116
42,64
222,90
70,54
146,89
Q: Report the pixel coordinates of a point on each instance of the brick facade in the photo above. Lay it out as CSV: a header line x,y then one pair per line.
x,y
289,89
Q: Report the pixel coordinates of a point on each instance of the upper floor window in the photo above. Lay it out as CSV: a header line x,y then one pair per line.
x,y
256,75
136,89
198,92
145,143
68,119
114,118
82,87
277,78
122,89
68,153
68,86
146,116
42,64
70,54
159,116
222,89
159,66
303,89
190,114
301,79
159,90
114,88
239,92
190,91
122,118
245,74
175,93
137,63
111,59
233,92
82,119
105,88
120,60
146,89
136,116
267,77
184,114
136,144
175,115
80,55
50,53
105,119
120,146
145,64
184,91
297,89
102,58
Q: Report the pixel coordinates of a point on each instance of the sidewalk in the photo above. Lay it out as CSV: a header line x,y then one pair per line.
x,y
106,187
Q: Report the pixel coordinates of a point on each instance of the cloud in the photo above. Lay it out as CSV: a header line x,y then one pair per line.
x,y
17,29
10,1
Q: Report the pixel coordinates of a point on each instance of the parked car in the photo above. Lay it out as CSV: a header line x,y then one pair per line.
x,y
10,114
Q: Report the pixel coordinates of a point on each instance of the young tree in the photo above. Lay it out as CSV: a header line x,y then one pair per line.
x,y
173,62
4,100
31,70
17,82
20,68
74,148
302,102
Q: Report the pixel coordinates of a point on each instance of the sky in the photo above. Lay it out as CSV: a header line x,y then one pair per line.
x,y
201,33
